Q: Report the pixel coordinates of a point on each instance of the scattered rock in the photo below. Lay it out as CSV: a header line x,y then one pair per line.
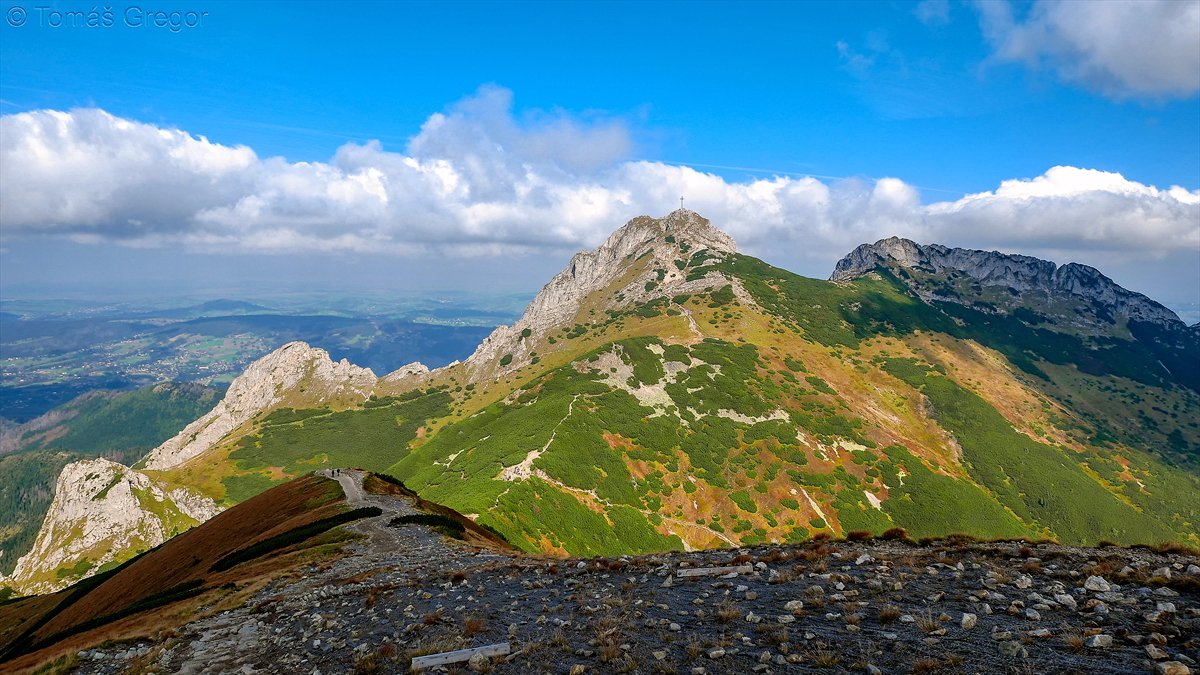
x,y
1156,653
479,663
1012,649
1101,641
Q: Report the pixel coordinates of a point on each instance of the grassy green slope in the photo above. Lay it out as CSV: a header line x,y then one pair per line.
x,y
292,442
1047,486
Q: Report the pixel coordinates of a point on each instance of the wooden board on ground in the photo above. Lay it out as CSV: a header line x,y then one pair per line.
x,y
458,656
711,571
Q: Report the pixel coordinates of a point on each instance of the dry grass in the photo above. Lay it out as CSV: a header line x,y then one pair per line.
x,y
889,613
609,651
927,665
928,622
472,626
783,576
772,633
775,556
824,658
559,640
727,611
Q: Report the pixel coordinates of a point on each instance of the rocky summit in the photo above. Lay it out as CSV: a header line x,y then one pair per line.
x,y
1015,274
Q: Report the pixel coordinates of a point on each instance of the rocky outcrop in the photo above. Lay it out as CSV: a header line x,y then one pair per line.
x,y
273,380
414,371
102,513
1020,273
559,300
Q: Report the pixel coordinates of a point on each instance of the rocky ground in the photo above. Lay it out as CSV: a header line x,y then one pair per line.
x,y
876,606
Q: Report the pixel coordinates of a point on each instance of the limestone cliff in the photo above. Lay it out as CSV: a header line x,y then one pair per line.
x,y
103,513
295,374
681,233
1099,299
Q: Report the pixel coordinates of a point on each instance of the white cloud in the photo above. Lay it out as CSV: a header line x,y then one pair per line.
x,y
479,181
1146,49
933,12
1068,208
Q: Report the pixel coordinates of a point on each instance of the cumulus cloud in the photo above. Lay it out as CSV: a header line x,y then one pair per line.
x,y
479,180
1121,48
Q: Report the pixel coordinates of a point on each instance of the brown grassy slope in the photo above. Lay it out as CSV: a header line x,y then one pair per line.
x,y
180,566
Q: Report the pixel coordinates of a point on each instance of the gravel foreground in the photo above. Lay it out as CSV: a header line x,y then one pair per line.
x,y
953,606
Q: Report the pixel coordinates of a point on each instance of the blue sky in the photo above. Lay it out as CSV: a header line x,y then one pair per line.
x,y
949,98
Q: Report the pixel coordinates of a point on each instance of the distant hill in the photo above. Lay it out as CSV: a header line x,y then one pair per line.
x,y
220,307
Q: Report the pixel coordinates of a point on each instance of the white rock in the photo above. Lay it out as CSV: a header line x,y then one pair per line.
x,y
101,511
267,382
1065,600
1100,641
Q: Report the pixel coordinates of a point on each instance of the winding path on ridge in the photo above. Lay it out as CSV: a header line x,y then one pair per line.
x,y
382,538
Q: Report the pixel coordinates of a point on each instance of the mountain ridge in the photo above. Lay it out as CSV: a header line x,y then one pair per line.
x,y
1019,272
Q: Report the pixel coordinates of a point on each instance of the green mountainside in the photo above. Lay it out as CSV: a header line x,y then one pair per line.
x,y
117,426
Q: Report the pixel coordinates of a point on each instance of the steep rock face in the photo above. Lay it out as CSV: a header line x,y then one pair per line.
x,y
269,381
1021,273
590,271
103,512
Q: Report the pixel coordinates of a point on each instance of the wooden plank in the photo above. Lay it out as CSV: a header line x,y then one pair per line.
x,y
712,571
458,656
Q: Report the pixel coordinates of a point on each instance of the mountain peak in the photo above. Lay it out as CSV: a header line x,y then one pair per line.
x,y
265,384
683,224
641,257
1018,275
